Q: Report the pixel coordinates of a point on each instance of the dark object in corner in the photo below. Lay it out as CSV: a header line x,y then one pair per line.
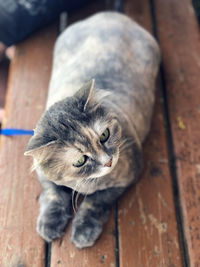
x,y
196,4
18,19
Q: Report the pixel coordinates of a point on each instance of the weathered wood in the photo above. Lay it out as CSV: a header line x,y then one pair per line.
x,y
148,234
103,252
27,90
64,253
179,37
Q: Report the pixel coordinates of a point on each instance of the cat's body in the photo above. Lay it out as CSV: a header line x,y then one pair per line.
x,y
123,60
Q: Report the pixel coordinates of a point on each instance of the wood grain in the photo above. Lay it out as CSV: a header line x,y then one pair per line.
x,y
27,91
148,234
180,42
64,253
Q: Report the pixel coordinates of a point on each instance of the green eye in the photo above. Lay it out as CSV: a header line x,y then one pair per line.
x,y
105,135
81,161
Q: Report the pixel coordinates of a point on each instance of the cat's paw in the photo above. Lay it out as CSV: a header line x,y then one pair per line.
x,y
85,232
52,222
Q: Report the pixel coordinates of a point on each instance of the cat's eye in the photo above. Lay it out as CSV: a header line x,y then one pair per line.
x,y
105,135
81,161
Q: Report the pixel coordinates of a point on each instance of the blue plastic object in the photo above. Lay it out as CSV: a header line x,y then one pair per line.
x,y
12,132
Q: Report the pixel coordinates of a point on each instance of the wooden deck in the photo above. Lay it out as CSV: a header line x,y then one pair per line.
x,y
157,223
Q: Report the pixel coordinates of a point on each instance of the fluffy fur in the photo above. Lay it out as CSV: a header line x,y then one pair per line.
x,y
120,60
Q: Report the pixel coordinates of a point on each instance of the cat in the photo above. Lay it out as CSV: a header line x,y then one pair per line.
x,y
98,113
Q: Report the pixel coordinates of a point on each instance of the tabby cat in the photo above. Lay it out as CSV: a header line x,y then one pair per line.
x,y
98,113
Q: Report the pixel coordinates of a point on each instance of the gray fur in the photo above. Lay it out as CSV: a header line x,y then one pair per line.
x,y
91,216
55,209
123,60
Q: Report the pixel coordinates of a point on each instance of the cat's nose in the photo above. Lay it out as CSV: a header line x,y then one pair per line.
x,y
109,163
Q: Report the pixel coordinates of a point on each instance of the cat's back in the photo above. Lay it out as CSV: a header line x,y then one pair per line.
x,y
115,51
106,46
104,28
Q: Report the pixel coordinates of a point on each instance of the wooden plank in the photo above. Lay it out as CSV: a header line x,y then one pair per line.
x,y
147,223
27,90
103,252
148,234
179,37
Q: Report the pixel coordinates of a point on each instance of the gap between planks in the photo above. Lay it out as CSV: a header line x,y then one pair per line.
x,y
170,145
178,32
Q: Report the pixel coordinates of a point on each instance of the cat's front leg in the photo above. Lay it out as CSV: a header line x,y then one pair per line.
x,y
55,209
55,212
92,215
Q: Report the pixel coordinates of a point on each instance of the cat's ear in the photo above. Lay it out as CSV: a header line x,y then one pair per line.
x,y
89,96
37,147
85,93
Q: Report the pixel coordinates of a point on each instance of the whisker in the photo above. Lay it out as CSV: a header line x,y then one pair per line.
x,y
76,200
84,181
73,192
124,141
89,180
73,202
74,197
126,145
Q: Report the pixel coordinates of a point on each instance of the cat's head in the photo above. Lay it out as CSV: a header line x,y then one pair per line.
x,y
77,137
